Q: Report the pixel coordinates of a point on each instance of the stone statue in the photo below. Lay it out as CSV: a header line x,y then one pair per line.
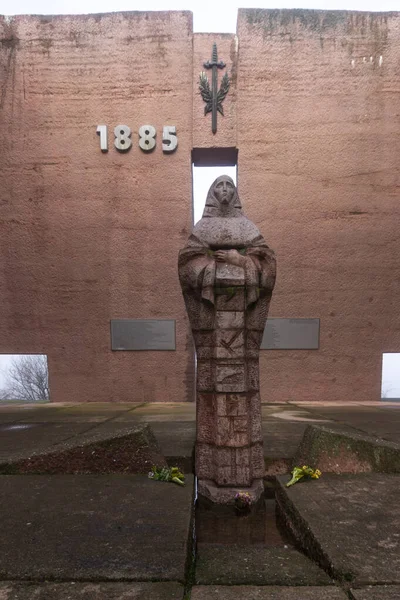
x,y
227,274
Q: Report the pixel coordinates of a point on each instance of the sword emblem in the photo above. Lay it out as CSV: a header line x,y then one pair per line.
x,y
212,96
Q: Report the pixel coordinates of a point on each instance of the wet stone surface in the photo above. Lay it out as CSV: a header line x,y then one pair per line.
x,y
224,525
93,527
363,545
236,547
256,564
377,592
214,592
90,591
131,449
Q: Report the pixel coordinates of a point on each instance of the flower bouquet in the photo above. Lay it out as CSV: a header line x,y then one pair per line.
x,y
304,471
172,474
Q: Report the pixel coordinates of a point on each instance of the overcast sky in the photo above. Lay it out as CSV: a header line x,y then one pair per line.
x,y
211,16
208,15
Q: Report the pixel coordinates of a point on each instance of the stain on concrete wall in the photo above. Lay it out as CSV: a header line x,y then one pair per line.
x,y
85,236
318,134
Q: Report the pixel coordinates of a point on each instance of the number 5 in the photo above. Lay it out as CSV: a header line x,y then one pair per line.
x,y
170,141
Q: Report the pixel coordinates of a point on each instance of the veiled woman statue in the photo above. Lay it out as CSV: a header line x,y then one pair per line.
x,y
227,274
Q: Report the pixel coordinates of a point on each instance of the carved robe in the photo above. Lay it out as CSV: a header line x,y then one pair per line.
x,y
227,306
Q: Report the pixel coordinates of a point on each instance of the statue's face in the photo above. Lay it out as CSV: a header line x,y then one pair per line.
x,y
224,192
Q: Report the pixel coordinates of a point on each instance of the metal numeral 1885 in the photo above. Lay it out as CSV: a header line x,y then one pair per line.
x,y
147,138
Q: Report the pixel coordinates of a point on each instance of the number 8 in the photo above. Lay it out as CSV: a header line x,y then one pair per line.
x,y
147,133
122,134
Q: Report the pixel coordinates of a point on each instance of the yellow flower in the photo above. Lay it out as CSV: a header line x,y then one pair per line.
x,y
298,473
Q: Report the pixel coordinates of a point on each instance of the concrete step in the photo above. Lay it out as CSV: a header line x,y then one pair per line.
x,y
257,564
348,524
94,528
333,450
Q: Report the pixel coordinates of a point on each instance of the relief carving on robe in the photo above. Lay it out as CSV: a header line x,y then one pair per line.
x,y
227,274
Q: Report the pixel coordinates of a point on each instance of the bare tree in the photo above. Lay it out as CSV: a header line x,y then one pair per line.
x,y
27,378
386,391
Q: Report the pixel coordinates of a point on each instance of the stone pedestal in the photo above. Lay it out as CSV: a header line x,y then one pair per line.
x,y
229,450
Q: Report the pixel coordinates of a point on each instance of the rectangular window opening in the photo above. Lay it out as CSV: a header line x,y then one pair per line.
x,y
24,378
390,389
208,164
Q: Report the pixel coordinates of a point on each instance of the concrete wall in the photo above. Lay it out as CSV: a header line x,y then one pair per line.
x,y
318,124
85,236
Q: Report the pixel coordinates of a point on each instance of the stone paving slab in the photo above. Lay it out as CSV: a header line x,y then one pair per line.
x,y
162,411
336,451
75,413
378,419
88,527
283,424
219,564
281,438
21,440
129,450
55,439
91,591
350,524
14,413
175,439
104,407
377,592
292,414
220,592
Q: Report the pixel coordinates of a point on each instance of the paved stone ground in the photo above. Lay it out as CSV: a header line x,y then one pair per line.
x,y
74,524
380,419
267,593
90,591
217,564
349,523
88,528
336,451
27,427
174,591
377,592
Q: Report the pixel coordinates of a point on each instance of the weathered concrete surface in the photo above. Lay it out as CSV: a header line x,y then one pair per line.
x,y
221,525
34,429
350,524
334,451
93,528
84,233
380,419
377,592
93,412
90,591
174,425
131,449
21,440
318,165
176,441
219,564
250,592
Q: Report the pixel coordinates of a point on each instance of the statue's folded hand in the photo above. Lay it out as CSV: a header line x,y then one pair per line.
x,y
230,256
